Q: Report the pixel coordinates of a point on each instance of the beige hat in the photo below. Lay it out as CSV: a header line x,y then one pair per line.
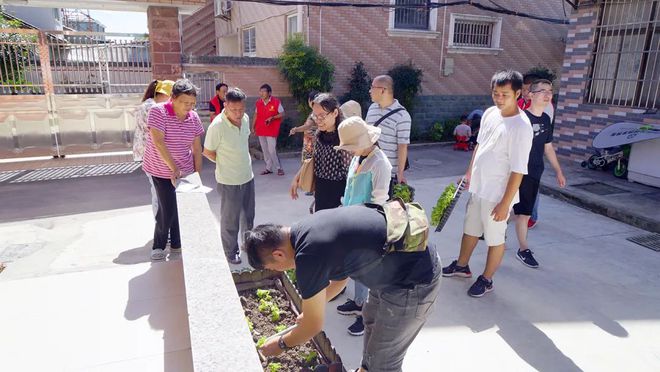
x,y
164,87
355,134
351,108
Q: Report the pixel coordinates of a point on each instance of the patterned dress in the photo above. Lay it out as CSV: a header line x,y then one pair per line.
x,y
330,170
141,133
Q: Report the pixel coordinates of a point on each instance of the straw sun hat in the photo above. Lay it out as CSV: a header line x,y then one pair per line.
x,y
165,87
355,134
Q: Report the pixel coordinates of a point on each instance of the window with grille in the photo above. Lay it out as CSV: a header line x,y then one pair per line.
x,y
626,61
249,42
414,18
476,32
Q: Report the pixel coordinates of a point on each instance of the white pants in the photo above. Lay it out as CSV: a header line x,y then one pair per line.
x,y
269,149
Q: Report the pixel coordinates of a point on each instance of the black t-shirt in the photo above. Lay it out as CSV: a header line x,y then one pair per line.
x,y
337,243
542,126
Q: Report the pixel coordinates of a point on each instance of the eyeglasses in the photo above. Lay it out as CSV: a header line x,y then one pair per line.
x,y
320,117
373,86
544,92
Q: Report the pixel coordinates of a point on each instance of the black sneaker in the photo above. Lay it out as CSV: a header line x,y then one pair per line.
x,y
235,259
480,287
527,258
339,294
349,308
357,328
455,270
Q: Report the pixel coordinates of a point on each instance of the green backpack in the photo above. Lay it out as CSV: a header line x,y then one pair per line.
x,y
407,226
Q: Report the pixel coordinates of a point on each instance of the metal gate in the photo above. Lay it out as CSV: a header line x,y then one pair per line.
x,y
64,92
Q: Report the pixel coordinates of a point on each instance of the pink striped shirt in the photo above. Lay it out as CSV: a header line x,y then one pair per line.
x,y
179,137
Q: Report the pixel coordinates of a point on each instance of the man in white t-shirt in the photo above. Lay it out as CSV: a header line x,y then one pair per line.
x,y
497,167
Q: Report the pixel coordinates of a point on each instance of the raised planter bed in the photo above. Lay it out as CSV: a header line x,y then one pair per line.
x,y
275,307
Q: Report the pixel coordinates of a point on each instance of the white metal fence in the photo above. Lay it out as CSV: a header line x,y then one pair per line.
x,y
67,62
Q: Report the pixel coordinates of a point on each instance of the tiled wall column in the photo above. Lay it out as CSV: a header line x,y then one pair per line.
x,y
165,38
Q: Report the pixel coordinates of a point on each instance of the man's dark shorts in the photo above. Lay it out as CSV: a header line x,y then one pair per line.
x,y
529,190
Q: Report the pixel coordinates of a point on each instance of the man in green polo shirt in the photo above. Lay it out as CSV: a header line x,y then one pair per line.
x,y
227,146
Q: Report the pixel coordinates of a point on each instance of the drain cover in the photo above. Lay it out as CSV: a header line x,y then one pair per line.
x,y
650,241
600,188
48,174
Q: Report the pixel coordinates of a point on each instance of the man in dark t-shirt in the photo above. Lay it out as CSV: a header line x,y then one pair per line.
x,y
332,245
541,93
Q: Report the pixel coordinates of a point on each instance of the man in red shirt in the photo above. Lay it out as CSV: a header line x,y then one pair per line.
x,y
217,103
266,125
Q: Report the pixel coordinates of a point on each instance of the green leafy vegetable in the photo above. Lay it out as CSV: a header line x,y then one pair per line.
x,y
274,313
404,191
279,328
261,341
442,204
264,306
263,294
250,325
309,359
274,367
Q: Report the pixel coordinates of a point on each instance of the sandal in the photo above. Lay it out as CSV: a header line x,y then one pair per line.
x,y
280,172
265,172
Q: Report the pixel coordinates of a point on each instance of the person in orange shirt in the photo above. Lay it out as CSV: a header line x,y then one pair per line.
x,y
266,125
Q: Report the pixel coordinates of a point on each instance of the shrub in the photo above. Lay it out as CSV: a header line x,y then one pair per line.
x,y
359,85
444,130
305,69
407,84
284,140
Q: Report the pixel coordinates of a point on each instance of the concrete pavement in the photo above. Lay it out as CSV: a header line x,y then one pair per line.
x,y
593,304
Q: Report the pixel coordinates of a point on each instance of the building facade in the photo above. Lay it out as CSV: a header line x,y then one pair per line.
x,y
458,48
611,71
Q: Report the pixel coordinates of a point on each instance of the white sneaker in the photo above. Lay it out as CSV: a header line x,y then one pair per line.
x,y
157,254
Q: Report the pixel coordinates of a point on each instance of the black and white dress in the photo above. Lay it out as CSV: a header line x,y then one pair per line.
x,y
330,170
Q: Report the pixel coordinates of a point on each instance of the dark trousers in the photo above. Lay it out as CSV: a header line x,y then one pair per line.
x,y
236,213
328,193
167,217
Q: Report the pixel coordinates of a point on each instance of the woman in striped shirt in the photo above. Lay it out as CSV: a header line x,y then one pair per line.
x,y
174,150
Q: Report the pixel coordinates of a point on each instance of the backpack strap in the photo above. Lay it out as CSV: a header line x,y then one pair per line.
x,y
377,123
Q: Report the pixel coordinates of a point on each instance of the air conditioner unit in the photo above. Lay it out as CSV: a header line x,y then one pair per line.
x,y
223,9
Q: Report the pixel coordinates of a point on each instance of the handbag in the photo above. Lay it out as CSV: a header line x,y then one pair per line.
x,y
306,180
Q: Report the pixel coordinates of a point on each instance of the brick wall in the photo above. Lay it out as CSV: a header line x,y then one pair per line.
x,y
429,109
578,122
165,42
347,35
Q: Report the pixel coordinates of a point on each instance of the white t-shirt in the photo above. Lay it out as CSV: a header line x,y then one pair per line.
x,y
504,145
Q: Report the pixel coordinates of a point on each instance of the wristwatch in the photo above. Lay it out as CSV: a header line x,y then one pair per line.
x,y
281,344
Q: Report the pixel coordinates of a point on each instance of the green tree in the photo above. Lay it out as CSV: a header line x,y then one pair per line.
x,y
15,54
305,69
359,85
407,84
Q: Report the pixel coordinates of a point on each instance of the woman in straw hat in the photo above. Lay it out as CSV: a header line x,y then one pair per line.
x,y
368,182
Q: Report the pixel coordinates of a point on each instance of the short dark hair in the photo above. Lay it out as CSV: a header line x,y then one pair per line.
x,y
502,78
540,81
267,87
220,85
530,78
312,94
261,240
235,95
184,86
464,117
